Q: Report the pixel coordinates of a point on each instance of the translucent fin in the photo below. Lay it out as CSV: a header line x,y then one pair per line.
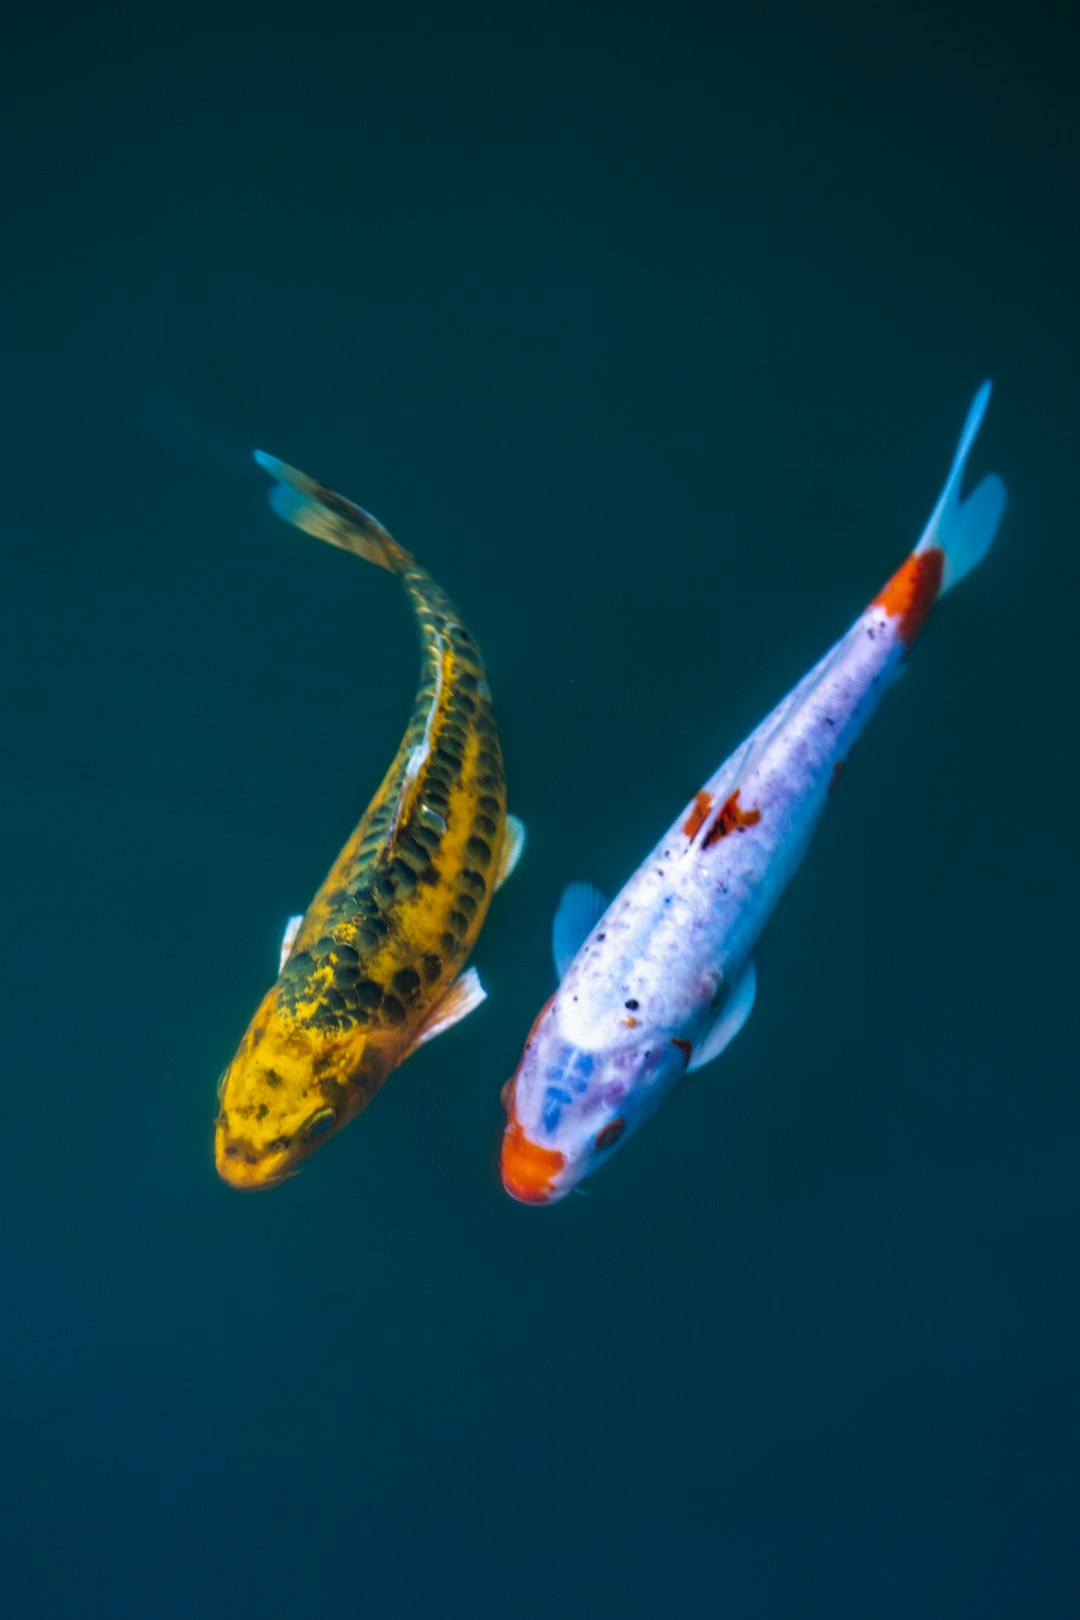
x,y
329,516
465,994
964,529
288,939
513,844
728,1022
580,909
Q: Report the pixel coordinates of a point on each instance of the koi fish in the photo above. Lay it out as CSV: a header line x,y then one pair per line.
x,y
661,980
374,967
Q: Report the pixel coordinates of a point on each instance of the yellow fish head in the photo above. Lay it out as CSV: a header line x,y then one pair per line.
x,y
289,1089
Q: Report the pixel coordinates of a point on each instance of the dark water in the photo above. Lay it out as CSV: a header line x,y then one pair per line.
x,y
651,335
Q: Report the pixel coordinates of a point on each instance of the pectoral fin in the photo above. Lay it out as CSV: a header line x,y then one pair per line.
x,y
513,844
580,909
728,1021
464,994
288,939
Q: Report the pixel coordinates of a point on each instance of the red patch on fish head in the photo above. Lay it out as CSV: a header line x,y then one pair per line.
x,y
528,1170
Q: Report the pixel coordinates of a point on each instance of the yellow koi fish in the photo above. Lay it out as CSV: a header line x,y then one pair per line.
x,y
374,968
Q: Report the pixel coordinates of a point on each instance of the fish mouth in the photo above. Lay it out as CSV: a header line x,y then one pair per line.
x,y
529,1171
242,1167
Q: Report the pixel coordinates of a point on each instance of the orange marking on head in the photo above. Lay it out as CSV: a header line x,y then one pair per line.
x,y
528,1170
629,1022
912,592
703,803
731,819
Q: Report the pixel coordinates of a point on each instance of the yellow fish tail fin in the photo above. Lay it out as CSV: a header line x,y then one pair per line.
x,y
329,516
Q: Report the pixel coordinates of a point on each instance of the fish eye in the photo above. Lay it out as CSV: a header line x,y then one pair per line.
x,y
319,1123
610,1134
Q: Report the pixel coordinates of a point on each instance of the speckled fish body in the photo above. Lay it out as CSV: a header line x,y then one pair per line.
x,y
662,979
373,968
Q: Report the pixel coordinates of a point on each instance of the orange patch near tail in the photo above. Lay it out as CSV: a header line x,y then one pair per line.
x,y
912,592
731,819
703,803
528,1170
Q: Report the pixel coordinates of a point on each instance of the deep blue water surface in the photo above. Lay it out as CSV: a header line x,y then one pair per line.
x,y
651,334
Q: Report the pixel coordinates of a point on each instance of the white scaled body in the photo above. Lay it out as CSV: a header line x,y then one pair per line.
x,y
663,978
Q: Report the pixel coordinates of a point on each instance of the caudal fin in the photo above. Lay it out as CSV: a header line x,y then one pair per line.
x,y
963,529
329,516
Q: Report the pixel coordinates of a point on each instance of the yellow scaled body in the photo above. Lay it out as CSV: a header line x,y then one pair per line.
x,y
373,970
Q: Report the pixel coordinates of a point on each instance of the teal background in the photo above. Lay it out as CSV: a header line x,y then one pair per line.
x,y
651,332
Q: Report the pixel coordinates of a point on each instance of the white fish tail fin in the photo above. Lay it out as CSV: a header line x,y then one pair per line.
x,y
963,529
329,516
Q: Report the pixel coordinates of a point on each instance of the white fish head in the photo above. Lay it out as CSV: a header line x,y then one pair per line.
x,y
569,1106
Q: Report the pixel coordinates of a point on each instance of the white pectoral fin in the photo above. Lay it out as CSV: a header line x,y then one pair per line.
x,y
288,939
579,911
728,1021
513,844
464,994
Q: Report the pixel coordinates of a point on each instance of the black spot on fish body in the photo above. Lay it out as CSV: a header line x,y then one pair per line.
x,y
403,874
393,1012
484,827
489,804
458,923
406,982
413,850
368,995
478,850
472,882
430,967
466,904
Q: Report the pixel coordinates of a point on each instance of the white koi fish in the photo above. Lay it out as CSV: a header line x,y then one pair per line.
x,y
659,981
